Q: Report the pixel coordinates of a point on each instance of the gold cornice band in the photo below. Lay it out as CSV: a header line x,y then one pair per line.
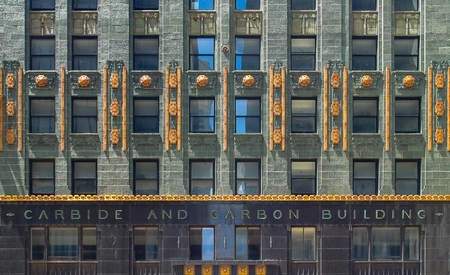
x,y
20,110
237,198
283,106
62,107
345,111
124,110
1,110
225,109
325,108
387,111
271,108
105,109
430,109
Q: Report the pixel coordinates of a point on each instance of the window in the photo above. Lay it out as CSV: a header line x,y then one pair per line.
x,y
146,177
365,115
84,115
364,53
146,4
394,244
201,177
202,4
406,53
42,53
248,116
202,115
84,177
201,243
145,115
201,53
42,177
407,177
303,178
247,4
42,115
364,5
247,53
248,174
407,115
84,53
84,4
248,243
303,4
63,243
406,5
41,5
365,177
304,116
303,243
146,243
146,53
303,53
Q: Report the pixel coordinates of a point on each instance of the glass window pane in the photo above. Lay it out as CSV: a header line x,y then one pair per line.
x,y
84,107
89,242
365,187
202,170
42,5
406,5
63,243
364,46
303,186
42,107
42,169
195,243
247,187
365,107
303,169
247,45
202,4
406,63
303,241
247,62
146,243
84,4
303,45
303,124
42,62
304,107
146,46
365,169
385,243
202,62
146,62
406,169
364,5
247,107
85,169
202,45
254,243
37,243
241,243
247,4
364,63
146,170
360,244
83,63
406,187
245,125
146,107
406,46
146,187
43,46
201,243
365,125
247,169
146,4
201,107
303,62
411,244
84,46
303,4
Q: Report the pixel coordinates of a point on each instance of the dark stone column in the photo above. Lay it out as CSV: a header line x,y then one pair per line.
x,y
275,245
224,242
12,250
174,246
335,254
113,248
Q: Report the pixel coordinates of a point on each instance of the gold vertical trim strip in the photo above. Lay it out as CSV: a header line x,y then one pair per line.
x,y
448,108
1,109
430,109
283,106
325,108
124,109
166,110
179,112
225,109
62,107
20,110
105,109
387,110
345,111
271,108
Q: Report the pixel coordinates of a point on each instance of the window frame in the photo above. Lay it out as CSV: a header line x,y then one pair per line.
x,y
74,179
294,115
213,55
315,176
30,5
419,117
197,10
74,117
316,243
415,37
376,117
247,116
73,55
235,242
418,179
243,55
376,179
72,6
236,9
213,161
149,98
292,54
31,116
148,37
133,251
292,9
364,10
135,9
236,175
375,57
32,56
191,117
136,178
201,227
31,179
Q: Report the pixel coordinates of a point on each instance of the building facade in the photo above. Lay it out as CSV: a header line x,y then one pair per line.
x,y
225,137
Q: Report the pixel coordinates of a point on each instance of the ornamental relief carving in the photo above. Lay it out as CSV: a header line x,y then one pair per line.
x,y
335,136
335,80
10,136
173,82
335,108
10,81
115,136
277,108
83,81
277,80
146,80
439,108
173,108
277,136
10,108
366,80
439,80
304,80
115,108
115,80
247,80
173,136
408,80
202,81
439,136
41,81
225,270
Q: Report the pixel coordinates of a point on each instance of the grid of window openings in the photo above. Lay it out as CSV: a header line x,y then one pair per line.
x,y
364,42
303,44
145,43
201,179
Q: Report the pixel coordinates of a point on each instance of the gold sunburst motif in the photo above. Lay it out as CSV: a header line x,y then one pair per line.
x,y
335,136
84,81
115,136
202,81
439,136
277,80
115,80
335,108
439,81
10,81
114,108
409,81
366,81
41,81
173,82
439,108
304,81
10,136
145,81
10,108
248,81
335,80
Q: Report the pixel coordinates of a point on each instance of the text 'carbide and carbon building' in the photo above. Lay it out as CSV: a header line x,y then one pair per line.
x,y
227,137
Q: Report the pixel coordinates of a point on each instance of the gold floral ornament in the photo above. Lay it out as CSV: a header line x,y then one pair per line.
x,y
202,81
10,108
409,81
114,108
173,82
277,136
366,81
41,81
304,81
242,270
248,81
10,81
277,80
145,81
260,270
173,136
189,270
10,136
207,269
277,109
225,270
115,137
115,80
173,109
439,108
335,108
439,136
335,80
439,81
335,136
84,81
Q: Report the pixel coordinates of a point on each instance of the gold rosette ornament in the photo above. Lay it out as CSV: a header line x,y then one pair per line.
x,y
10,136
173,82
277,80
277,109
114,80
10,108
84,81
248,81
173,109
335,108
439,136
409,81
439,108
41,81
145,81
189,270
202,81
335,80
439,81
10,81
366,81
277,136
114,108
225,270
335,136
173,136
304,81
115,137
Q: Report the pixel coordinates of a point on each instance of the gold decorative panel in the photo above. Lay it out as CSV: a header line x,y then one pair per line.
x,y
189,270
365,23
408,81
41,81
202,81
146,23
225,270
207,269
439,136
439,80
260,270
84,23
42,23
407,23
202,23
304,23
304,81
248,23
242,270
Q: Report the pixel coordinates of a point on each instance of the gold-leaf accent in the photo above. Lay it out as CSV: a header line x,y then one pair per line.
x,y
202,81
439,136
335,80
173,82
335,108
10,108
277,136
189,270
10,136
114,108
277,109
248,81
335,136
41,81
242,269
83,81
439,80
277,80
115,80
225,270
10,81
207,269
409,81
304,81
366,81
439,108
115,136
173,108
145,81
173,137
260,269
